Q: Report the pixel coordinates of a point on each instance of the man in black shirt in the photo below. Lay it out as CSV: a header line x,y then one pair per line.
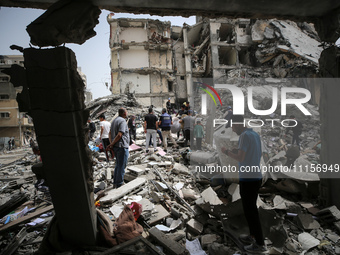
x,y
150,128
168,106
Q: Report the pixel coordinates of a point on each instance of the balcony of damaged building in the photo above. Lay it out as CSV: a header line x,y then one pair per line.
x,y
182,212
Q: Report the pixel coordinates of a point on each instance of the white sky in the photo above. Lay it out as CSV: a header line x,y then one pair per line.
x,y
93,56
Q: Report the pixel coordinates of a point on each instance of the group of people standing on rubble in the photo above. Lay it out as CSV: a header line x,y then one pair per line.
x,y
118,136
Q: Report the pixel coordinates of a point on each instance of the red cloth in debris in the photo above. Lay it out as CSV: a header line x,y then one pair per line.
x,y
126,226
136,209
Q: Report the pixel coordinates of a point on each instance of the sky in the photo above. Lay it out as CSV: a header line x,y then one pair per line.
x,y
93,56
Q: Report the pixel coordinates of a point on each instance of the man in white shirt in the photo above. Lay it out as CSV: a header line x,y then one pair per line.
x,y
104,133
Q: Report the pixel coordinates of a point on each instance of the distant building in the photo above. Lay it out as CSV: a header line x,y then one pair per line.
x,y
13,124
141,60
87,93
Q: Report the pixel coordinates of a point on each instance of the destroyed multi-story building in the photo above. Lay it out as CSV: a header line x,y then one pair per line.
x,y
155,61
141,59
13,123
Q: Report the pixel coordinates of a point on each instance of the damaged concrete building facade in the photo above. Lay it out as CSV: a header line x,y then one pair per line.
x,y
172,60
141,59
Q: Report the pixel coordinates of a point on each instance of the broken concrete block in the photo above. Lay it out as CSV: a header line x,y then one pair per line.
x,y
257,31
195,227
136,170
156,196
333,237
171,247
64,22
307,241
269,33
329,214
158,214
202,157
115,194
307,222
161,186
189,193
208,239
180,169
210,196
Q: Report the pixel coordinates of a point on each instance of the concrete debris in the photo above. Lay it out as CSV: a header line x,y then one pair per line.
x,y
182,208
210,196
307,241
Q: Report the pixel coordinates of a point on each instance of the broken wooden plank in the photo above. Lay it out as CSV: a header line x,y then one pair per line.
x,y
26,218
172,247
116,194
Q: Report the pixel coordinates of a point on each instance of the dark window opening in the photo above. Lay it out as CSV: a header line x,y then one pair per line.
x,y
183,56
4,79
244,57
227,56
182,77
4,96
4,114
226,33
170,86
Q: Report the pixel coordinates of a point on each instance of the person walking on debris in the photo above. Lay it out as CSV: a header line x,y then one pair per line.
x,y
165,123
104,133
150,128
248,155
188,127
119,141
229,116
92,129
297,130
199,134
13,143
10,144
180,113
168,106
132,128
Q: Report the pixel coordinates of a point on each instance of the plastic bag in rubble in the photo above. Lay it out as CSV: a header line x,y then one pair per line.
x,y
176,126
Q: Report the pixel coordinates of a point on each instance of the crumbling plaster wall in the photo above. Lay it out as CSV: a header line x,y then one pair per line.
x,y
115,80
135,83
161,59
134,57
133,34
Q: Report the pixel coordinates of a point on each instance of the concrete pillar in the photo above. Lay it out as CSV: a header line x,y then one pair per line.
x,y
188,69
330,123
56,94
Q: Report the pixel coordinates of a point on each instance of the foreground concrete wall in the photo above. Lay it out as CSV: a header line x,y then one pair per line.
x,y
56,93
